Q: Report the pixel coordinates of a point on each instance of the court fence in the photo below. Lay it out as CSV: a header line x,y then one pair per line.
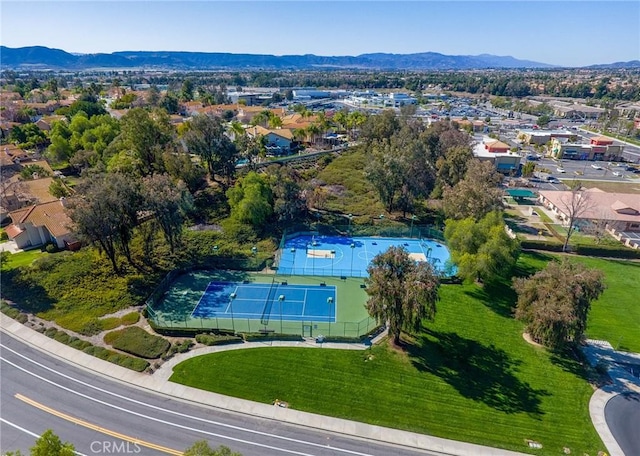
x,y
368,230
275,327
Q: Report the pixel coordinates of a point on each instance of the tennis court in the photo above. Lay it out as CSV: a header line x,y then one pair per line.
x,y
267,301
350,256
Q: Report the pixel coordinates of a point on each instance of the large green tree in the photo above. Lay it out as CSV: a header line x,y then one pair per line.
x,y
107,213
207,139
555,302
476,195
401,292
169,202
143,137
251,199
481,250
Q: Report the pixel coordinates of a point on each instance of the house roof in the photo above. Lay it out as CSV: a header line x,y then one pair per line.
x,y
282,132
50,215
623,207
13,231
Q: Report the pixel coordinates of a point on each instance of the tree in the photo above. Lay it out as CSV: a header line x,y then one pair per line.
x,y
543,120
49,444
481,250
143,136
452,166
528,169
287,203
401,291
555,302
107,214
186,94
207,139
251,200
202,448
476,195
574,204
181,167
168,202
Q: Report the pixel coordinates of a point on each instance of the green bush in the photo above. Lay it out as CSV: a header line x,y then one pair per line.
x,y
109,323
130,319
217,339
8,310
259,337
138,342
50,247
3,236
541,245
610,251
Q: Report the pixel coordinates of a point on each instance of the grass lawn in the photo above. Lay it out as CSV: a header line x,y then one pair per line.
x,y
15,260
615,317
470,376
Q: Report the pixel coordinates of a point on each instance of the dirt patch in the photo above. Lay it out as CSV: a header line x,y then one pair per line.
x,y
529,340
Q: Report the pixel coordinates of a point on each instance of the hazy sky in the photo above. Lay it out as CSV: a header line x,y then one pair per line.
x,y
569,33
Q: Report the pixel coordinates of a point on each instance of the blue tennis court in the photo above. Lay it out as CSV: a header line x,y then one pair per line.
x,y
350,256
267,301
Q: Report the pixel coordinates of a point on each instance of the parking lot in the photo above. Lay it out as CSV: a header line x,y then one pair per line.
x,y
585,169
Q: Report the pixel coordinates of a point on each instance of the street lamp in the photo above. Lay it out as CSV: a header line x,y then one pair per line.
x,y
333,256
233,325
353,246
350,216
293,262
413,218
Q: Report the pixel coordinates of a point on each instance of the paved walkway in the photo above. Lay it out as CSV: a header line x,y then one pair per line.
x,y
159,382
622,381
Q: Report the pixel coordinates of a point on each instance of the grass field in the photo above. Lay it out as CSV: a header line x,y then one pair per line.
x,y
470,376
15,260
615,317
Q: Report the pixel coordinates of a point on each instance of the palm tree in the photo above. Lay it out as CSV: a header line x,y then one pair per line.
x,y
401,291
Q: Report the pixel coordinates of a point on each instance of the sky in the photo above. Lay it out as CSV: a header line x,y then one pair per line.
x,y
566,33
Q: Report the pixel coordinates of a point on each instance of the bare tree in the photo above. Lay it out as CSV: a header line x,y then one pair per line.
x,y
574,204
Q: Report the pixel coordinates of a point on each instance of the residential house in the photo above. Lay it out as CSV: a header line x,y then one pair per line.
x,y
278,142
619,211
39,224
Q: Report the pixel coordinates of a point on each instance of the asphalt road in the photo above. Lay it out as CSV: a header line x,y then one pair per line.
x,y
623,417
101,416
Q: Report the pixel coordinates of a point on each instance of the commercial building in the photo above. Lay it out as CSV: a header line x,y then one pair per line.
x,y
498,153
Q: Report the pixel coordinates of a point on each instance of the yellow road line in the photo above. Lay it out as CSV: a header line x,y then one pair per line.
x,y
96,427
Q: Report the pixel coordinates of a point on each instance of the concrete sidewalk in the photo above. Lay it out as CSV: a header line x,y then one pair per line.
x,y
601,352
158,382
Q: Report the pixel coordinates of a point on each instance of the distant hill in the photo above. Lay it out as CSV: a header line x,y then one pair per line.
x,y
604,66
46,58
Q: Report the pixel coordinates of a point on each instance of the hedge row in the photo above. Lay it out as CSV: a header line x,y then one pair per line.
x,y
12,312
127,361
217,339
607,251
138,342
611,251
262,337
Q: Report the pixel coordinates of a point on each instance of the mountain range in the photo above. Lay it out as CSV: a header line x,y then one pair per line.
x,y
40,57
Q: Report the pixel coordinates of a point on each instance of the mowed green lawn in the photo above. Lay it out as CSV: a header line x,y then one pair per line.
x,y
470,376
615,316
15,260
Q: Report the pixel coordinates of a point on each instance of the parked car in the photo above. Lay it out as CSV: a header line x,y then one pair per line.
x,y
594,166
560,170
617,173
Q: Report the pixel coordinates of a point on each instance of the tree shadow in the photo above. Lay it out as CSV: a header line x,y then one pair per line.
x,y
26,294
497,296
482,373
572,360
526,269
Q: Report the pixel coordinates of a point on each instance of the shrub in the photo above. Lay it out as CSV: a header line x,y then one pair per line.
x,y
258,337
612,251
541,245
137,341
217,339
50,247
109,323
4,236
8,310
130,319
22,318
